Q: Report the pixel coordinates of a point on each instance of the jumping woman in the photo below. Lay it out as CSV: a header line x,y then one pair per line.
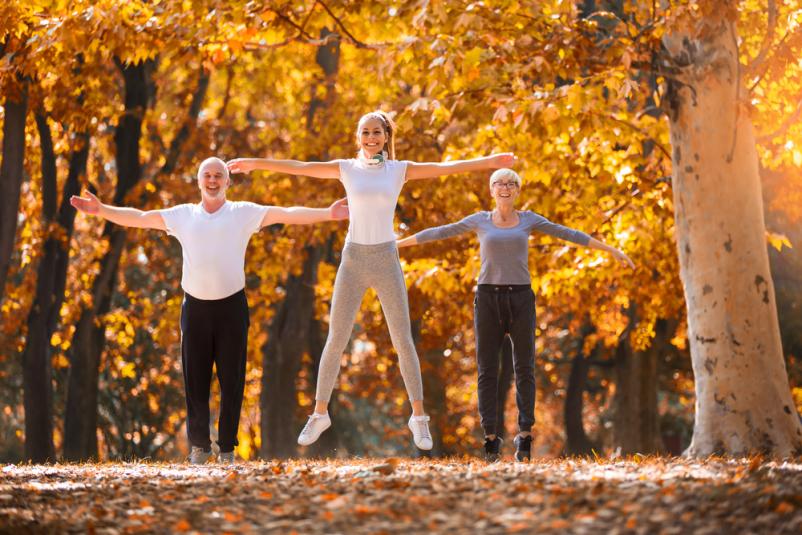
x,y
214,235
505,303
373,182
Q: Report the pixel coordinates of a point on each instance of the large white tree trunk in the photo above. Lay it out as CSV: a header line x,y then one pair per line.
x,y
743,399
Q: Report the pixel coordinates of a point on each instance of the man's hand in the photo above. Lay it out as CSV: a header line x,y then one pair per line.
x,y
339,209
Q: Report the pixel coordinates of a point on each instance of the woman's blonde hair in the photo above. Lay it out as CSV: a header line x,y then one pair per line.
x,y
504,173
389,130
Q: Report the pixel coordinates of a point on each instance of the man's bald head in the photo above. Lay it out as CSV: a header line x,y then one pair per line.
x,y
213,164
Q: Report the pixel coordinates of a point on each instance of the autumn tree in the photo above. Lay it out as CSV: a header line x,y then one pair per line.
x,y
721,237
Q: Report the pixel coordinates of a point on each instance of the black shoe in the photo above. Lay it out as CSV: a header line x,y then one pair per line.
x,y
523,448
493,449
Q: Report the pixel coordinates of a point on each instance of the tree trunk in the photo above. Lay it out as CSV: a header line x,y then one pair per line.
x,y
11,169
636,426
289,333
576,440
743,399
286,344
80,421
50,283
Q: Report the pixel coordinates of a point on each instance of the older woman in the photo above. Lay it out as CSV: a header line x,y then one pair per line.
x,y
505,303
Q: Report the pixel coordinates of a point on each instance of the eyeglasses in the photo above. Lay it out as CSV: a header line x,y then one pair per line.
x,y
508,185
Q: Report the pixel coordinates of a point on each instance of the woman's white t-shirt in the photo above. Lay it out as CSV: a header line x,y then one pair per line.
x,y
372,195
213,245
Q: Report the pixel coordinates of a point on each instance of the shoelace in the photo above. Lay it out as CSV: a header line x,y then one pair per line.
x,y
308,427
422,427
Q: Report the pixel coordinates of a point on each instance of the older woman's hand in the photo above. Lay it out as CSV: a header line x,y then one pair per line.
x,y
623,258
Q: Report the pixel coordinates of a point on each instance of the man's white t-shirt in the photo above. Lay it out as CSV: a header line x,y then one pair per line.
x,y
213,245
372,196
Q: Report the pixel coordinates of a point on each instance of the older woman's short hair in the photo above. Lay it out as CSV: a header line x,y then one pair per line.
x,y
504,174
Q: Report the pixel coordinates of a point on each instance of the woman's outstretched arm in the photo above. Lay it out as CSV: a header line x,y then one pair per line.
x,y
330,169
541,224
127,217
416,171
617,253
408,241
440,233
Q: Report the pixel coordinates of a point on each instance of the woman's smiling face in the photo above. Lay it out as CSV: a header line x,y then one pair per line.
x,y
372,136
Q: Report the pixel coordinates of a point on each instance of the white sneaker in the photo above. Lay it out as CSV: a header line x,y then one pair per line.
x,y
198,455
419,425
316,424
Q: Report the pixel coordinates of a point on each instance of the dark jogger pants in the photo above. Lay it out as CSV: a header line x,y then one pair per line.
x,y
500,311
214,332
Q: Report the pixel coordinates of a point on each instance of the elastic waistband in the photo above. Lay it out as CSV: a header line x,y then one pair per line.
x,y
236,296
502,288
371,248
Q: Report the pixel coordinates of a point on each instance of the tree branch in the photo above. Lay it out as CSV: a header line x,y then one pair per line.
x,y
354,40
737,93
790,120
264,46
639,130
182,135
767,40
764,64
301,31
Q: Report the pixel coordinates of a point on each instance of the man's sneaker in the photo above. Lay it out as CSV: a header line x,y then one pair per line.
x,y
198,455
419,425
316,424
493,449
226,458
523,448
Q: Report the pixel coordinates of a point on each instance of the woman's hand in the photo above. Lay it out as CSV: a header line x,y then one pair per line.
x,y
88,205
241,165
339,209
622,257
503,159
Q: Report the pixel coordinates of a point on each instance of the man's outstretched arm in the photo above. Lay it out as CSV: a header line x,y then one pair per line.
x,y
127,217
301,215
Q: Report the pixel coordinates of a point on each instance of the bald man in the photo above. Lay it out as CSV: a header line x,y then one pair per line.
x,y
214,235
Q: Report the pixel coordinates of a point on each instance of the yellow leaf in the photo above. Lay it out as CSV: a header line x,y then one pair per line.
x,y
128,370
778,240
472,58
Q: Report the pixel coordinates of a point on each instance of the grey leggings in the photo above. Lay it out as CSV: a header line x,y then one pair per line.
x,y
362,267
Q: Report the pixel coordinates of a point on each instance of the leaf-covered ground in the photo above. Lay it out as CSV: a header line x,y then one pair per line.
x,y
653,495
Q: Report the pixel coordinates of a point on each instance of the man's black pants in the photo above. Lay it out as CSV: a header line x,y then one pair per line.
x,y
214,332
501,310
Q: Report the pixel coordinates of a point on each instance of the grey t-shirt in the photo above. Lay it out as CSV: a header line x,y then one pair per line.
x,y
504,252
